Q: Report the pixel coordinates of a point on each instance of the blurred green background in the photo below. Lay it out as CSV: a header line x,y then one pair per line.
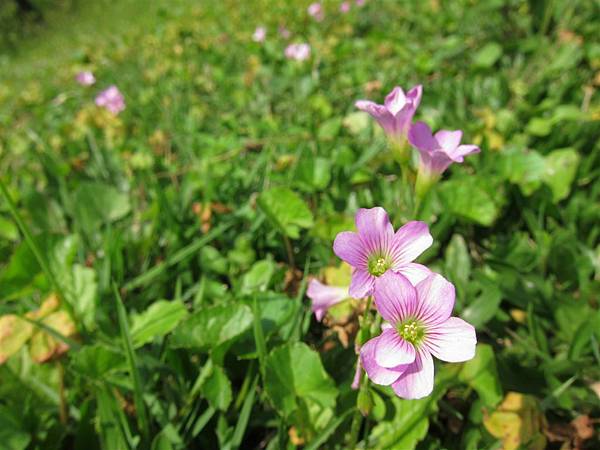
x,y
164,229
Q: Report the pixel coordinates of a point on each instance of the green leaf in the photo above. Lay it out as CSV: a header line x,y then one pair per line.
x,y
97,360
12,433
481,374
410,421
559,172
523,168
96,204
258,277
468,197
488,55
294,372
286,210
212,326
483,309
158,320
458,262
82,293
217,389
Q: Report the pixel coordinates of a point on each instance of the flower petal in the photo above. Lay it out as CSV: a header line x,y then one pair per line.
x,y
414,96
376,373
379,113
464,150
349,247
410,241
395,100
391,350
421,138
435,299
417,380
374,228
324,297
414,272
395,298
439,161
452,341
362,283
449,139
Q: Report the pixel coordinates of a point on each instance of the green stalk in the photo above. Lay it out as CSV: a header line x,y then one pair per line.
x,y
138,397
36,251
364,381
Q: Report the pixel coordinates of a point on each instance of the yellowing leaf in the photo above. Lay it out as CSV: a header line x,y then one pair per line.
x,y
14,333
43,346
518,421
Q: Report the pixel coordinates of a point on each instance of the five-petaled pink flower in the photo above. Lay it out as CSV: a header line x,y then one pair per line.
x,y
259,34
111,99
298,52
85,78
440,150
418,326
376,249
396,114
344,7
315,10
324,297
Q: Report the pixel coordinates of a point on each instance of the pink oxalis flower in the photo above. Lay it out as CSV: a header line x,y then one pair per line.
x,y
396,114
259,34
316,11
436,152
418,326
298,52
85,78
344,7
376,249
440,150
111,99
324,297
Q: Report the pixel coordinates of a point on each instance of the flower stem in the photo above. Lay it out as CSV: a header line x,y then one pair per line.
x,y
363,335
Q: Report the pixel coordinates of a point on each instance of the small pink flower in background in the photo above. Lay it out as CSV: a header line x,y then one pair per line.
x,y
418,326
316,11
360,2
376,249
298,52
345,7
85,78
440,150
284,32
111,99
259,34
324,297
396,114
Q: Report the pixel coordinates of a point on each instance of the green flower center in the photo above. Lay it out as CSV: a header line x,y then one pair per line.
x,y
412,331
378,265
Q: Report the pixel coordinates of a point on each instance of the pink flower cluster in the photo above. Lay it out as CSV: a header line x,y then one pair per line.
x,y
395,116
110,98
415,303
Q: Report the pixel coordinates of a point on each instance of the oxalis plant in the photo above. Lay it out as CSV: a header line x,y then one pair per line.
x,y
407,317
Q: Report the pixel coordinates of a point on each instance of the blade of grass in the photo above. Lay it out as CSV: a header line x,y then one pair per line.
x,y
242,423
328,431
176,258
202,421
36,251
133,369
259,337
